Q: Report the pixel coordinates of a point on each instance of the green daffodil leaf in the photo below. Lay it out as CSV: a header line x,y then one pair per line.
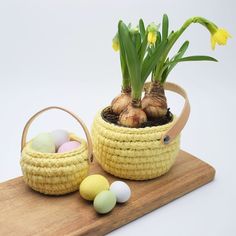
x,y
131,56
165,27
168,68
149,63
142,29
143,48
196,58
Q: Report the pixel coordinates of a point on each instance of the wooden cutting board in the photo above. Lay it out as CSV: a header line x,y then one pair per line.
x,y
26,212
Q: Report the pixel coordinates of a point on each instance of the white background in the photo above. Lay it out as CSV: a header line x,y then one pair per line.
x,y
59,53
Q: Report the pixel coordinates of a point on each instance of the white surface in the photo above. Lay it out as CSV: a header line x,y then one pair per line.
x,y
59,53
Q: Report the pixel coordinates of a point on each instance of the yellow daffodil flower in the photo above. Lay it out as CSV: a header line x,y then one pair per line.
x,y
152,37
220,36
116,43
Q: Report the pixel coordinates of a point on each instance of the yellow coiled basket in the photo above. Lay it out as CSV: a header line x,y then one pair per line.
x,y
56,173
139,153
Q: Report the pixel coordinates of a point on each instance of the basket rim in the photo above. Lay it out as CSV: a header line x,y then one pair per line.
x,y
73,137
133,130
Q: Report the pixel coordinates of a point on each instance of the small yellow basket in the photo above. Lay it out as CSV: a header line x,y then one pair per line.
x,y
139,153
55,173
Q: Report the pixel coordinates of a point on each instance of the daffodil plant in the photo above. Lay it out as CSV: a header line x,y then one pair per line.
x,y
144,52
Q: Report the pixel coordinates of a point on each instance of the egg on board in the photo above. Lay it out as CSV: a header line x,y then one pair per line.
x,y
60,136
121,190
104,202
68,146
43,143
93,185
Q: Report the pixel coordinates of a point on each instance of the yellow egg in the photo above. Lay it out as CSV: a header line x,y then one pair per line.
x,y
93,185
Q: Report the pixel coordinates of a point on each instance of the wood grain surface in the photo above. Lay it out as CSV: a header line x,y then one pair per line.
x,y
26,212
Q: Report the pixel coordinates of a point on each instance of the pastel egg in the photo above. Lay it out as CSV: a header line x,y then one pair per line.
x,y
60,136
68,146
121,190
93,185
43,143
104,202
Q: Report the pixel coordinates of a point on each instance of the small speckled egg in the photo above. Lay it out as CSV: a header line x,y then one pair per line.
x,y
92,185
68,146
104,202
60,137
121,190
43,143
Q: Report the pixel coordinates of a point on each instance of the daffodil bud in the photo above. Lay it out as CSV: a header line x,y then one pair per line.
x,y
152,33
116,43
152,37
152,27
134,30
220,37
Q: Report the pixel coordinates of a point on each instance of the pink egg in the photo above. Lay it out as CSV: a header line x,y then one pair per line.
x,y
68,146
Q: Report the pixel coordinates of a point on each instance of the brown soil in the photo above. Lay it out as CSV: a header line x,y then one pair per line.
x,y
110,117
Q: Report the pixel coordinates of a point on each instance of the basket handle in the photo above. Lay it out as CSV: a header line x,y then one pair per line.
x,y
181,121
26,128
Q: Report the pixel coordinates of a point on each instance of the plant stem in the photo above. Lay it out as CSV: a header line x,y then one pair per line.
x,y
126,84
124,70
136,94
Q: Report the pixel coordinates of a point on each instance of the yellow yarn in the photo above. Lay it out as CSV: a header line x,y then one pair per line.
x,y
131,153
55,173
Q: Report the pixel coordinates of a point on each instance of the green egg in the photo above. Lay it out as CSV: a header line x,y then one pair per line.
x,y
43,143
104,202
